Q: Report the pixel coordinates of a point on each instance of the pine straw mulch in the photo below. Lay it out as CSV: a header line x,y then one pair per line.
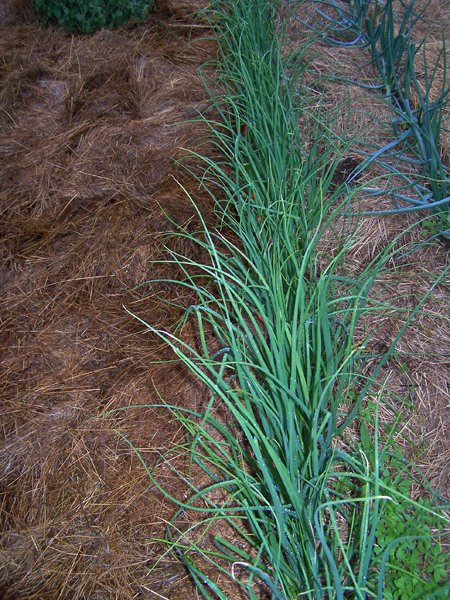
x,y
90,128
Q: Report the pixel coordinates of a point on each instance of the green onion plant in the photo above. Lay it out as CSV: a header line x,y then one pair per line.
x,y
277,346
419,120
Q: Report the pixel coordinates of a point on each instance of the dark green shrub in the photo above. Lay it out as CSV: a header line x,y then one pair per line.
x,y
87,16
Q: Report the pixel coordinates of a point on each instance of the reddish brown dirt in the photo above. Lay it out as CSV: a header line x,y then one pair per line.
x,y
89,130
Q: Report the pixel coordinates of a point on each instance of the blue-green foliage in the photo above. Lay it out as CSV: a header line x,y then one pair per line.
x,y
419,97
87,16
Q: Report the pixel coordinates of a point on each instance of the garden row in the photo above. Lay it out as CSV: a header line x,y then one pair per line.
x,y
314,491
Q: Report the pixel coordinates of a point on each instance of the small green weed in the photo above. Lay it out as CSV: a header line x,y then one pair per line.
x,y
409,541
409,560
435,224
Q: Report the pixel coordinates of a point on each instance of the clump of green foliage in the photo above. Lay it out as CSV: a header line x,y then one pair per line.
x,y
87,16
419,97
409,543
409,558
305,506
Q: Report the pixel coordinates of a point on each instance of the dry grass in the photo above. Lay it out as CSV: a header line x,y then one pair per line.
x,y
89,130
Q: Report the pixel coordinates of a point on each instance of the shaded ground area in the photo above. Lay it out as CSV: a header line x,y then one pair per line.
x,y
89,130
